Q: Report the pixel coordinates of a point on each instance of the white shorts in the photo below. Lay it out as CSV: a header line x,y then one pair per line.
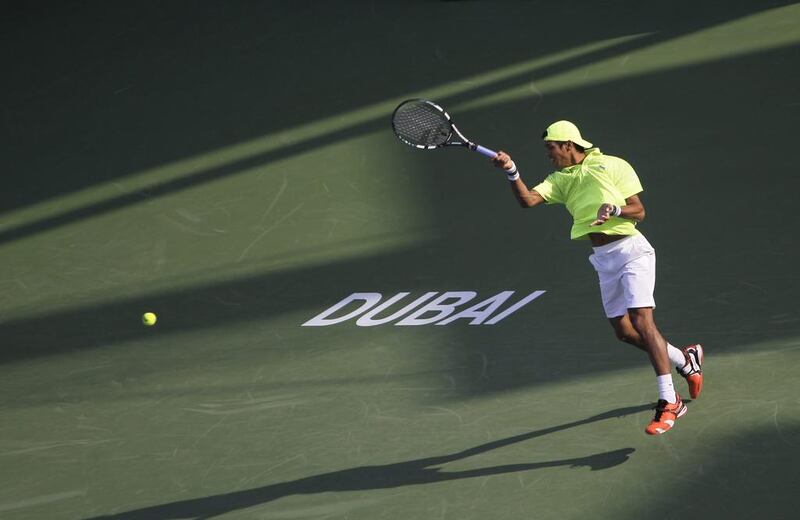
x,y
627,272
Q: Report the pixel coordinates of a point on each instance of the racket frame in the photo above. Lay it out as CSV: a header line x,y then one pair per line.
x,y
449,140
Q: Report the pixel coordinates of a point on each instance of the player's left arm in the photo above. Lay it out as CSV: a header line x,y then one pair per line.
x,y
632,210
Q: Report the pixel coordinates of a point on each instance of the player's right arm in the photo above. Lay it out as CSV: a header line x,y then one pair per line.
x,y
526,197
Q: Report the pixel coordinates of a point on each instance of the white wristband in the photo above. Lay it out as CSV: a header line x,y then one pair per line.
x,y
512,172
617,211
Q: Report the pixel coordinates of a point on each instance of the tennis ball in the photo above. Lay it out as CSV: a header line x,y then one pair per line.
x,y
149,319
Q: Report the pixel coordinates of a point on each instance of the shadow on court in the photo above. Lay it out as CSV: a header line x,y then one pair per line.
x,y
157,126
670,145
746,474
99,91
415,472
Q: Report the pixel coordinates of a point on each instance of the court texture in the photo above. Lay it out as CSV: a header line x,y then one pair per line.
x,y
230,167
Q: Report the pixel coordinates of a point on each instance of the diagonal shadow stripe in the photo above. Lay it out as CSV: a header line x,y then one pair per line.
x,y
364,120
369,119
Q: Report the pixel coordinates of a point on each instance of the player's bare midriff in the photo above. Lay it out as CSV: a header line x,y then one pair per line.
x,y
601,239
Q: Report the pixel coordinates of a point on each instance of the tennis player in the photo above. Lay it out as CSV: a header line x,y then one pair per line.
x,y
601,193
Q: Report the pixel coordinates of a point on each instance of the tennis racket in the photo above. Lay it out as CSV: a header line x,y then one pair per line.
x,y
424,124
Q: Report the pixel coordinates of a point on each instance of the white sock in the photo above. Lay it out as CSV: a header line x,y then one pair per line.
x,y
676,356
665,389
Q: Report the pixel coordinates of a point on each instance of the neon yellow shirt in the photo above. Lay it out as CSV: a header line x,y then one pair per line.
x,y
584,187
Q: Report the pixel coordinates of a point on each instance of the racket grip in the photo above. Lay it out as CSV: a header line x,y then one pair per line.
x,y
485,151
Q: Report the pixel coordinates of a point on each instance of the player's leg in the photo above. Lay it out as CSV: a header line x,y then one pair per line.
x,y
625,332
651,340
669,407
638,282
633,283
687,361
638,279
626,273
638,328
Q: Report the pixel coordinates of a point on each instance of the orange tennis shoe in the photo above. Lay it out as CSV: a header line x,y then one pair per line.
x,y
666,415
692,371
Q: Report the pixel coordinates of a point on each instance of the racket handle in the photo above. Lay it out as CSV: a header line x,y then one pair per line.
x,y
485,151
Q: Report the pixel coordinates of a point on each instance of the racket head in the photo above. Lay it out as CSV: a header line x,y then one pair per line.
x,y
422,124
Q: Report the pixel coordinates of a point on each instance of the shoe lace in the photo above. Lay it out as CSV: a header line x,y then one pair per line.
x,y
661,409
690,367
687,369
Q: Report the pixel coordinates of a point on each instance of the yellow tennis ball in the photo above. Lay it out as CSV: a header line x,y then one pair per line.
x,y
149,319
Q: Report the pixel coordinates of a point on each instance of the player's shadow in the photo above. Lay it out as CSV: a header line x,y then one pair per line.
x,y
420,471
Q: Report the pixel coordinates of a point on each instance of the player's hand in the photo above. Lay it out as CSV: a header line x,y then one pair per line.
x,y
603,214
503,161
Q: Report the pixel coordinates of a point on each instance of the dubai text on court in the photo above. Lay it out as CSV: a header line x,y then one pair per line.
x,y
431,308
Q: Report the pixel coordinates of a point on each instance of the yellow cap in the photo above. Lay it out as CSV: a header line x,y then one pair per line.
x,y
565,131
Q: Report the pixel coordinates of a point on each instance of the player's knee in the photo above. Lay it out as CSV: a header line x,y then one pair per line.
x,y
643,323
623,330
626,337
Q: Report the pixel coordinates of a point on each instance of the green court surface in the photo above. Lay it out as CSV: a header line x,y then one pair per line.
x,y
230,166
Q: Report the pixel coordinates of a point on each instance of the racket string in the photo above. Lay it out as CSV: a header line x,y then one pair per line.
x,y
421,125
